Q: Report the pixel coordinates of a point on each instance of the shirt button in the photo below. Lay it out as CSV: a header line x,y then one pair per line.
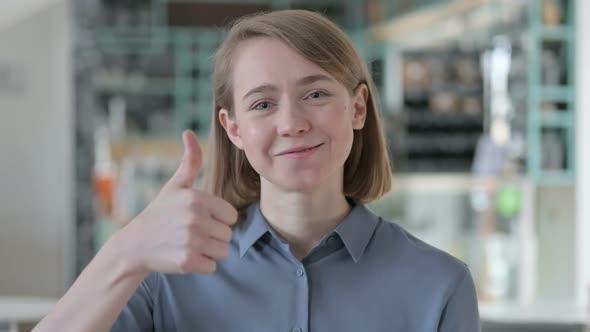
x,y
300,274
297,329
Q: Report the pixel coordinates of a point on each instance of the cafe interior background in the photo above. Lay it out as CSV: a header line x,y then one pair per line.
x,y
485,104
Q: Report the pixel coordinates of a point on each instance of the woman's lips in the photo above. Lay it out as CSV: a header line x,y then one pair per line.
x,y
301,154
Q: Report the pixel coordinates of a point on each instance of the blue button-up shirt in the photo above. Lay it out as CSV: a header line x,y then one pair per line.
x,y
366,275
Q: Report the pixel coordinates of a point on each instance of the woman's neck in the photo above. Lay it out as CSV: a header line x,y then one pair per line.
x,y
302,219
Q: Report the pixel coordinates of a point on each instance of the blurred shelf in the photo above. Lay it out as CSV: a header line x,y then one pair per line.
x,y
556,93
417,15
541,312
134,85
555,177
459,89
434,182
120,41
541,31
144,145
442,143
557,32
429,119
20,309
435,165
557,119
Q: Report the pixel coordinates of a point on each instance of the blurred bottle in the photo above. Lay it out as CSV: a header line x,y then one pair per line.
x,y
104,172
104,180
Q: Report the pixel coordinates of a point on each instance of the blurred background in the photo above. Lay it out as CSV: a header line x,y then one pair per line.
x,y
484,102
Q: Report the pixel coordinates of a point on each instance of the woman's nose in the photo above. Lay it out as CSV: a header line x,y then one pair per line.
x,y
291,121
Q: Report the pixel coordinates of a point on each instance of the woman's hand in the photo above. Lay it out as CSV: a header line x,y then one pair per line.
x,y
182,230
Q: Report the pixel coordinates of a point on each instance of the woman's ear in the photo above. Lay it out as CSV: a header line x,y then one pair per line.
x,y
231,128
361,95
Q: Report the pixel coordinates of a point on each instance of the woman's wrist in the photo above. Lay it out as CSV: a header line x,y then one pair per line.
x,y
122,259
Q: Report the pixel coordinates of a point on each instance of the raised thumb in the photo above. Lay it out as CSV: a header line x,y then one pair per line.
x,y
187,172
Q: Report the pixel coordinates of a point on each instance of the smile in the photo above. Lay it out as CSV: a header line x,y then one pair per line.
x,y
300,153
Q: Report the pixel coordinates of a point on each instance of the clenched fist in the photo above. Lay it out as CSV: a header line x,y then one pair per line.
x,y
182,230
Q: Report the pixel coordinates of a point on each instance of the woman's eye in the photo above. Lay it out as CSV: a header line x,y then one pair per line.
x,y
316,94
262,105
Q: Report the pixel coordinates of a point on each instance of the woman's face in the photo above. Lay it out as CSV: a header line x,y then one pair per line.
x,y
293,120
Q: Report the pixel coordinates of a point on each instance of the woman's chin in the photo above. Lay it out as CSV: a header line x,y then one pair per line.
x,y
300,185
303,181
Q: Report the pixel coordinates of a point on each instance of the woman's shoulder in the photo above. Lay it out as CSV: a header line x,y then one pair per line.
x,y
405,248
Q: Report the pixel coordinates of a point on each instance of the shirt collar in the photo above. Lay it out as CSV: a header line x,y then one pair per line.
x,y
252,228
355,230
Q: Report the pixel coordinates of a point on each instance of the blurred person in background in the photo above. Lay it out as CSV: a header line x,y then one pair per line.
x,y
280,238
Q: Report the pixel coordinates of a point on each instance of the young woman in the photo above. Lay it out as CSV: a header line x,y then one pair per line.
x,y
281,239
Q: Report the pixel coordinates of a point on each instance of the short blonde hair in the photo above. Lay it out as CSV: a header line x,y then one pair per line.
x,y
229,175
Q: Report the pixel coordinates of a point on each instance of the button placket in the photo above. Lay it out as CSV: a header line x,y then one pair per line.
x,y
301,300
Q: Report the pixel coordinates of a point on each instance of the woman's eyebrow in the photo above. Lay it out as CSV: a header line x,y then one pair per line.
x,y
259,89
302,81
313,78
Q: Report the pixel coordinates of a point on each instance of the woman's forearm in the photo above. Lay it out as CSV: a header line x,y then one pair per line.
x,y
98,295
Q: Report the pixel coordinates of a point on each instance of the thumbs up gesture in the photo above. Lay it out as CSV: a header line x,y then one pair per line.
x,y
182,230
